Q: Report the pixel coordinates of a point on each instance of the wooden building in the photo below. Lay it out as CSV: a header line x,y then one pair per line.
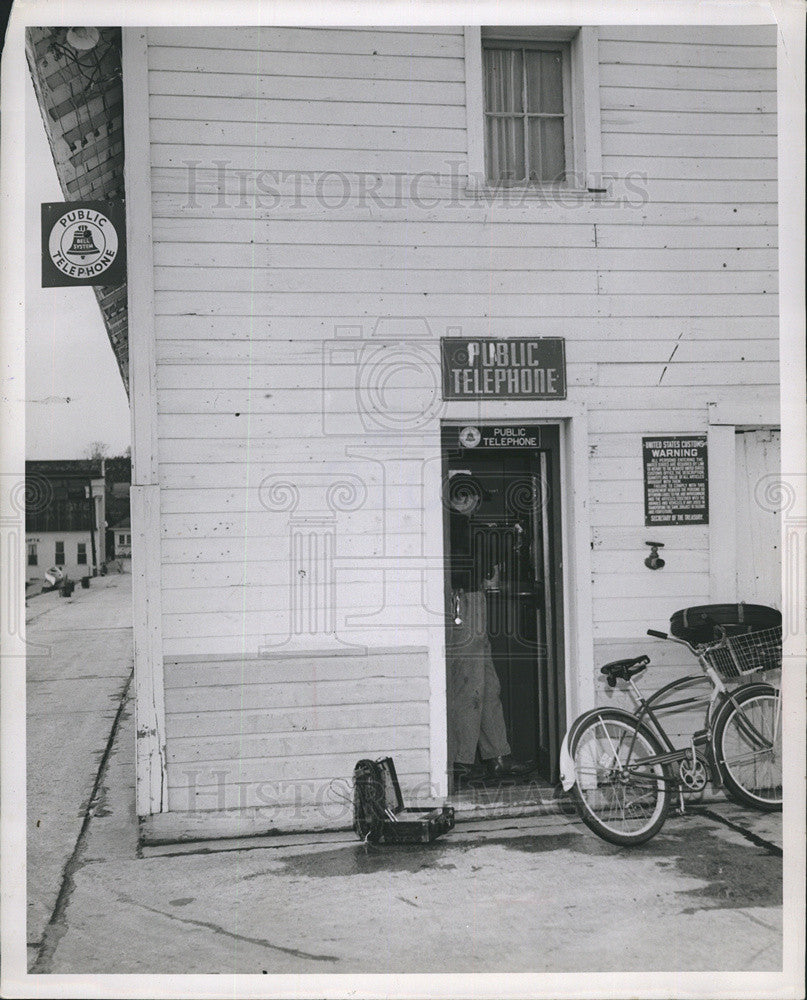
x,y
64,518
318,219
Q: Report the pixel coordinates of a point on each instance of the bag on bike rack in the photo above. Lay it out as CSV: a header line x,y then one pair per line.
x,y
696,625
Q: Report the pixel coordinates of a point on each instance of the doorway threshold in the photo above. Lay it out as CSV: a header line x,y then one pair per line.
x,y
503,800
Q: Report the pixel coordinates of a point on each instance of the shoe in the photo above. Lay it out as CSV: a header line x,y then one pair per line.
x,y
506,767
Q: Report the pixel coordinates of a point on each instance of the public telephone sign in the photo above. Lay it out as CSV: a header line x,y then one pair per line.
x,y
500,436
83,243
512,368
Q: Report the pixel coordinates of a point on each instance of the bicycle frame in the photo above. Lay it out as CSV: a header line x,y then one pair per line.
x,y
645,713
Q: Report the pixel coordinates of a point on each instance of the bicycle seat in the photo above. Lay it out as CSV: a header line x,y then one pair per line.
x,y
624,669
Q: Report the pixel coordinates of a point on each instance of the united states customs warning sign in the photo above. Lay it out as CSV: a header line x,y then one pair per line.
x,y
83,243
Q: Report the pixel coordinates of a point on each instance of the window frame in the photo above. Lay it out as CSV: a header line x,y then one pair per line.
x,y
56,560
584,177
33,554
81,553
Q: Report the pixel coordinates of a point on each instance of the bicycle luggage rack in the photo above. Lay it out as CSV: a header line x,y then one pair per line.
x,y
745,654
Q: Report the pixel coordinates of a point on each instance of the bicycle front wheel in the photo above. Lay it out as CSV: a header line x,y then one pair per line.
x,y
748,747
620,798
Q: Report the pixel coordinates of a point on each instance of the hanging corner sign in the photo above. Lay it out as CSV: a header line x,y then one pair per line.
x,y
83,243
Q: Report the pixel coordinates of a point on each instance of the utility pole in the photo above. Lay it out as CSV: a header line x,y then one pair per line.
x,y
91,501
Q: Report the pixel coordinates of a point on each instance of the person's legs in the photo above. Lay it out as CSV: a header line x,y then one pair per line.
x,y
493,732
467,670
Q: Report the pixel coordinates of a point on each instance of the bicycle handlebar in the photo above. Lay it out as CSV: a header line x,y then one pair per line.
x,y
657,635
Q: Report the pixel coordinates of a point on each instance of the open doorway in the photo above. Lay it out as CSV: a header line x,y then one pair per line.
x,y
503,546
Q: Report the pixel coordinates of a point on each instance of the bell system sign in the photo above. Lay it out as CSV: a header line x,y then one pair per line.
x,y
83,243
516,368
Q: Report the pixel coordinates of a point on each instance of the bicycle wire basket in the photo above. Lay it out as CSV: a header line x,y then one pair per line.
x,y
736,655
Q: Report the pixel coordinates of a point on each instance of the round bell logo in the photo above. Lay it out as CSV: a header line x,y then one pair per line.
x,y
83,243
470,437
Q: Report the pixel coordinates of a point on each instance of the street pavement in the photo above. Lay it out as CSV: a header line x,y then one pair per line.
x,y
78,666
531,894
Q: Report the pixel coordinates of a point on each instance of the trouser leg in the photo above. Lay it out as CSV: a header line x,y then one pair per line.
x,y
465,707
492,730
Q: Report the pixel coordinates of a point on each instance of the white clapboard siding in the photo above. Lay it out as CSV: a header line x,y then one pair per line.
x,y
255,256
179,215
722,35
251,722
728,101
253,84
730,343
181,339
344,304
354,42
629,121
671,54
328,66
267,548
401,281
665,291
178,108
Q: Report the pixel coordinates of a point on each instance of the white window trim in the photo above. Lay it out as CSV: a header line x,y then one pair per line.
x,y
585,110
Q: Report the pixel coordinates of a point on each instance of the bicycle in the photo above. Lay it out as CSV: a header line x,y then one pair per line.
x,y
621,766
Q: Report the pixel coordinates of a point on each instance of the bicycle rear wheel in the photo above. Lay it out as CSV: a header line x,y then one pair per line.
x,y
623,802
748,747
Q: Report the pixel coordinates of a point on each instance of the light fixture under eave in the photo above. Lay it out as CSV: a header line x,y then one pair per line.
x,y
83,39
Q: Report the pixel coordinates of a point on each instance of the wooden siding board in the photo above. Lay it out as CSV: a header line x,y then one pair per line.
x,y
354,42
265,747
233,258
262,135
645,52
630,98
701,78
249,109
626,122
441,305
745,35
300,88
248,721
274,64
277,696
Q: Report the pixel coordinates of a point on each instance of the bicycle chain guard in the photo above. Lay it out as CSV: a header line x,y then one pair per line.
x,y
693,777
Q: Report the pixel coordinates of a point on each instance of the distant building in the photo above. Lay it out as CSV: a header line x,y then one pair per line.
x,y
65,517
123,539
118,474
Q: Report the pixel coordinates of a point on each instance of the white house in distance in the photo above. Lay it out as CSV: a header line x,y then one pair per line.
x,y
387,283
65,518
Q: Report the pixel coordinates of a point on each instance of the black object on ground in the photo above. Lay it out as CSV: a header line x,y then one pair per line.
x,y
379,814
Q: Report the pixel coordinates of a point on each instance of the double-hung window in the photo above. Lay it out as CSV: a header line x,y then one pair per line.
x,y
60,553
33,558
527,112
533,108
81,553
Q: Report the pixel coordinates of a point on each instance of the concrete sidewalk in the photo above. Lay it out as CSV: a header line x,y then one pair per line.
x,y
78,666
531,894
537,894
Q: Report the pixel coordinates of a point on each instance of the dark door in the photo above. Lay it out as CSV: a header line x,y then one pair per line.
x,y
502,509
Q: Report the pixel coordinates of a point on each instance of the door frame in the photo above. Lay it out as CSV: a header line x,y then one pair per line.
x,y
576,608
724,421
